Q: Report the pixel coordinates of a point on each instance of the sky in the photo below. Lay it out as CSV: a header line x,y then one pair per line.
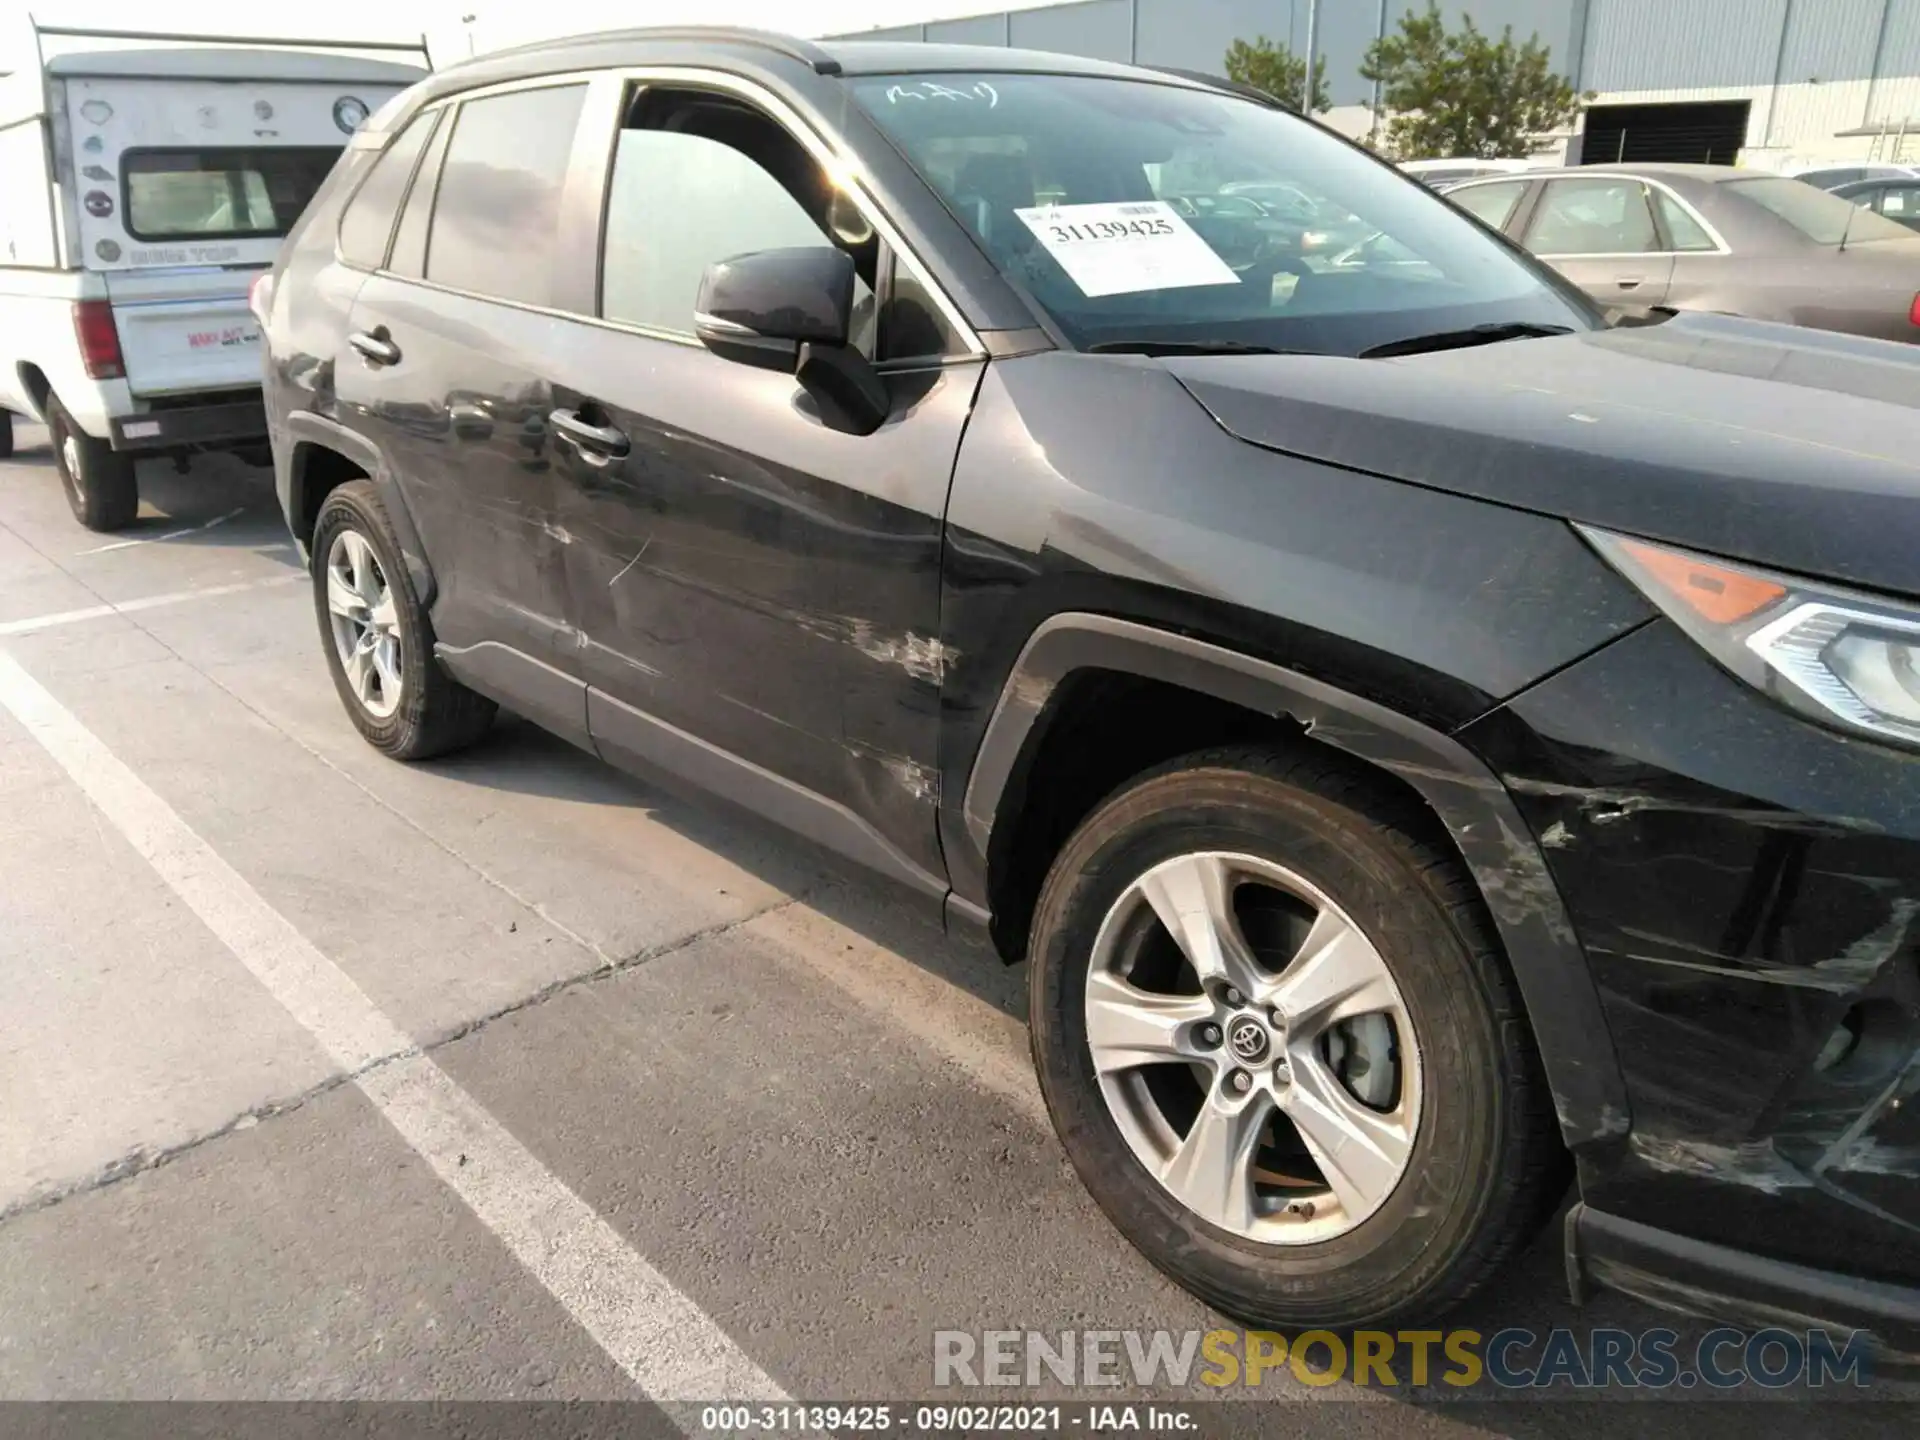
x,y
493,24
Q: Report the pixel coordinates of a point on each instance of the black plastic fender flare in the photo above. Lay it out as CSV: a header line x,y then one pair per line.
x,y
306,428
1500,852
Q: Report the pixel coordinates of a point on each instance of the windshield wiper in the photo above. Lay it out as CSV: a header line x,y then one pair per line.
x,y
1460,339
1183,347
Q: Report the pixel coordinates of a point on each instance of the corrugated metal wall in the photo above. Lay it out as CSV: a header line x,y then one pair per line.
x,y
1636,45
1896,94
1838,65
1195,34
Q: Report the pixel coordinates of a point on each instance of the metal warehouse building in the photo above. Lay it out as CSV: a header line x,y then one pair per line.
x,y
1771,83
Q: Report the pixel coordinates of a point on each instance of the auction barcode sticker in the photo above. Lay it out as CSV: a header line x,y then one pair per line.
x,y
1121,249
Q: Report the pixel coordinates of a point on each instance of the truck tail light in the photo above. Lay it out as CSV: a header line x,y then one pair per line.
x,y
260,295
1914,313
99,341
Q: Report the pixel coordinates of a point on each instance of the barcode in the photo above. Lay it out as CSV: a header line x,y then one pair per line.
x,y
1153,209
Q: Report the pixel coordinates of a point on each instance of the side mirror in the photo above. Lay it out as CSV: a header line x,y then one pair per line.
x,y
792,310
759,309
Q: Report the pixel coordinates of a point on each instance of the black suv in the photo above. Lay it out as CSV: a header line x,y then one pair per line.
x,y
1426,743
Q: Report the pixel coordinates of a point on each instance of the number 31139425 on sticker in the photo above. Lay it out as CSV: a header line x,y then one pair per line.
x,y
1126,247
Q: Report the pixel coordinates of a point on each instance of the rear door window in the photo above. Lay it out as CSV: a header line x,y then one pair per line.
x,y
225,194
1593,217
368,221
496,213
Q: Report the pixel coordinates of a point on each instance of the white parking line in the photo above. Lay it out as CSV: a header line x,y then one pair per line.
x,y
146,602
170,535
670,1347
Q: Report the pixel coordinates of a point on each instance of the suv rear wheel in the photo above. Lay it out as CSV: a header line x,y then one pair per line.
x,y
1282,1048
378,638
100,484
6,434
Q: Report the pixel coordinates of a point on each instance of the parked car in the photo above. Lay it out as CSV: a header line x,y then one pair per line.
x,y
1711,237
1439,173
1832,177
1898,200
144,189
1421,740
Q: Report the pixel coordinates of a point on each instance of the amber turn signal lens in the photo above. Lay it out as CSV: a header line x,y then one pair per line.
x,y
1713,592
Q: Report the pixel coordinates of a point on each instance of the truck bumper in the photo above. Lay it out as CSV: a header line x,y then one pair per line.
x,y
226,423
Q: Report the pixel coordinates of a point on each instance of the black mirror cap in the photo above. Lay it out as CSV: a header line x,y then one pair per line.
x,y
759,308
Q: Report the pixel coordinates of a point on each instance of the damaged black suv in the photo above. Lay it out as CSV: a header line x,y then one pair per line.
x,y
1429,744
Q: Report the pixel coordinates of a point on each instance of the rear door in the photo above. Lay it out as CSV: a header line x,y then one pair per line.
x,y
445,367
745,573
1599,232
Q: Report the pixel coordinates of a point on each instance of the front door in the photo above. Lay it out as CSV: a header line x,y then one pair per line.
x,y
758,591
449,375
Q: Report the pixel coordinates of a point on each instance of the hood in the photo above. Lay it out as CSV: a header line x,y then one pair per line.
x,y
1795,449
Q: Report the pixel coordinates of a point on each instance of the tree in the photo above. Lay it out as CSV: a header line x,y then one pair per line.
x,y
1278,71
1461,93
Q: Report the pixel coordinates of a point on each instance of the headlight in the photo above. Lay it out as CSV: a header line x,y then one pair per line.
x,y
1842,657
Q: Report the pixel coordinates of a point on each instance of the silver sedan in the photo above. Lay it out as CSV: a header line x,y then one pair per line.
x,y
1712,237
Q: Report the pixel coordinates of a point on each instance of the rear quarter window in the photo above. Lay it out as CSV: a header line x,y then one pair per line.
x,y
367,222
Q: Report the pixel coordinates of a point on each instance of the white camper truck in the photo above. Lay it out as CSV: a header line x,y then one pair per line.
x,y
141,191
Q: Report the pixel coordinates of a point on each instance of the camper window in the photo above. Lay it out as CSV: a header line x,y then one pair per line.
x,y
191,194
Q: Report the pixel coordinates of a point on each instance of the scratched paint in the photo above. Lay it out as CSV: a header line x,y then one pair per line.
x,y
924,657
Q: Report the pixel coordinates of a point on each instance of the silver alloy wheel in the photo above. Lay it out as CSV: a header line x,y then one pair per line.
x,y
70,452
366,623
1235,1073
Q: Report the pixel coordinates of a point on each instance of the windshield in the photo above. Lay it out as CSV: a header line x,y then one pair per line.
x,y
1822,217
228,193
1137,212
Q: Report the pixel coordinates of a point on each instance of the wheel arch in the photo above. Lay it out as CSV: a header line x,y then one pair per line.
x,y
321,455
36,387
1479,818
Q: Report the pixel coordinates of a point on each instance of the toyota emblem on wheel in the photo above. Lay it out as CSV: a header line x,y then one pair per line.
x,y
1248,1041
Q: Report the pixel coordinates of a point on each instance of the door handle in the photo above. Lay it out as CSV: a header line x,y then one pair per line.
x,y
374,347
470,422
1629,282
599,439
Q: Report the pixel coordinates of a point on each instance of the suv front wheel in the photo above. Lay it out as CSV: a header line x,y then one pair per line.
x,y
378,638
1282,1048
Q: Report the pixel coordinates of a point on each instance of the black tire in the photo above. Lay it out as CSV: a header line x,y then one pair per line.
x,y
6,434
100,484
1487,1167
436,713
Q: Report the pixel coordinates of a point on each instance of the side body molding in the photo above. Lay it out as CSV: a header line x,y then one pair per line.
x,y
1499,850
306,428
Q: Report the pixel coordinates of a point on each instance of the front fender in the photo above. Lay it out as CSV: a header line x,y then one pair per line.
x,y
1494,841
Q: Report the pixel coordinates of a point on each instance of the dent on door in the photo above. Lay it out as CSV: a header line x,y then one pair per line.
x,y
763,584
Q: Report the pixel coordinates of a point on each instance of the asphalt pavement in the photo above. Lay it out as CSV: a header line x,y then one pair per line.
x,y
507,1077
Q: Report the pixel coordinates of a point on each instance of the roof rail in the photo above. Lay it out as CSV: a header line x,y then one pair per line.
x,y
795,49
85,32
